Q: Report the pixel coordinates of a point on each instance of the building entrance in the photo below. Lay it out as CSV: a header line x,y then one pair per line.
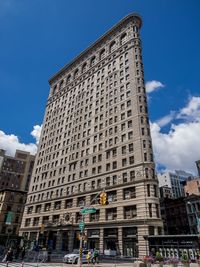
x,y
130,248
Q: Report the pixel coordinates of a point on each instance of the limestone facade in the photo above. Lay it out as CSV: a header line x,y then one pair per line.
x,y
95,137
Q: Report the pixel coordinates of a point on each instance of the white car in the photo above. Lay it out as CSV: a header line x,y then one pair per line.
x,y
73,257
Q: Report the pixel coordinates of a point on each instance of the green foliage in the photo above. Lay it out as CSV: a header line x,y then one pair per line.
x,y
185,257
159,257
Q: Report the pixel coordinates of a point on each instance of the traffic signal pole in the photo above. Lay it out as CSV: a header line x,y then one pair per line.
x,y
83,212
81,242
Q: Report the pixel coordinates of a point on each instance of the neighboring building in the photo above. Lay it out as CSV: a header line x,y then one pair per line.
x,y
192,203
165,192
198,167
192,187
95,137
174,216
175,181
12,203
15,173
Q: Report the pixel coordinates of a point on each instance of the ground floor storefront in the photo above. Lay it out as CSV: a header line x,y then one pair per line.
x,y
117,239
175,246
110,241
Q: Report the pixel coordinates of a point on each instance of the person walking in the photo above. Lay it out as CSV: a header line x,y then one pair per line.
x,y
88,257
9,256
23,252
95,256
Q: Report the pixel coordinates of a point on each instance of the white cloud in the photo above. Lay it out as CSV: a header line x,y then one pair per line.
x,y
191,111
36,132
11,142
153,85
179,147
166,119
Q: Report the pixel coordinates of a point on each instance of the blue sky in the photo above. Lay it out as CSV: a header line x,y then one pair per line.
x,y
38,37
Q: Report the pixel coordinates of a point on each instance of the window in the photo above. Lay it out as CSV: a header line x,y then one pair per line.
x,y
130,147
148,190
30,210
47,207
112,46
57,205
157,210
94,217
81,201
123,38
129,193
107,181
92,62
114,165
36,221
114,179
108,167
84,67
68,203
27,222
132,175
124,177
155,191
112,196
55,218
131,160
150,209
124,162
102,54
111,214
130,212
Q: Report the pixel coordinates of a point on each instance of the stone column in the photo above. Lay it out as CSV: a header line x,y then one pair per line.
x,y
143,246
120,240
101,241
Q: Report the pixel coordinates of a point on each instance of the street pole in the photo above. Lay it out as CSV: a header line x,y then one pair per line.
x,y
81,243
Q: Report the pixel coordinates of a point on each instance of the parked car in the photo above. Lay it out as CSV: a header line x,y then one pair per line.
x,y
73,257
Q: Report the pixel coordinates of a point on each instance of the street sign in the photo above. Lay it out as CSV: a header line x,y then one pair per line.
x,y
88,210
9,218
81,226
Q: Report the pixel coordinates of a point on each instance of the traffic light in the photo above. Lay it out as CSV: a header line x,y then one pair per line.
x,y
103,198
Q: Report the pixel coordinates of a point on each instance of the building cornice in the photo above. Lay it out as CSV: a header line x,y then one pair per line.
x,y
99,40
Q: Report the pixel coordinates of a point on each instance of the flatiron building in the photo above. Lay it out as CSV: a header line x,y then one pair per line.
x,y
96,137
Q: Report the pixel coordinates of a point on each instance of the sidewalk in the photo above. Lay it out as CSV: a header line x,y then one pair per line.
x,y
34,264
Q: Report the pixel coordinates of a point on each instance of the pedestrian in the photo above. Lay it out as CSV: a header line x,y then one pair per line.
x,y
95,256
9,256
23,252
88,257
17,252
45,254
5,257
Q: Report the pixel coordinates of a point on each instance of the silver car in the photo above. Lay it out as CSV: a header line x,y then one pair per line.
x,y
74,256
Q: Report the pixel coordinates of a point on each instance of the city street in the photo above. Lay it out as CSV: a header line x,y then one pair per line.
x,y
16,264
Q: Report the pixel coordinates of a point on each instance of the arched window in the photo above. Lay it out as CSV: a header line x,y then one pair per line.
x,y
76,74
102,54
61,84
84,67
69,78
54,89
92,62
123,38
112,46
